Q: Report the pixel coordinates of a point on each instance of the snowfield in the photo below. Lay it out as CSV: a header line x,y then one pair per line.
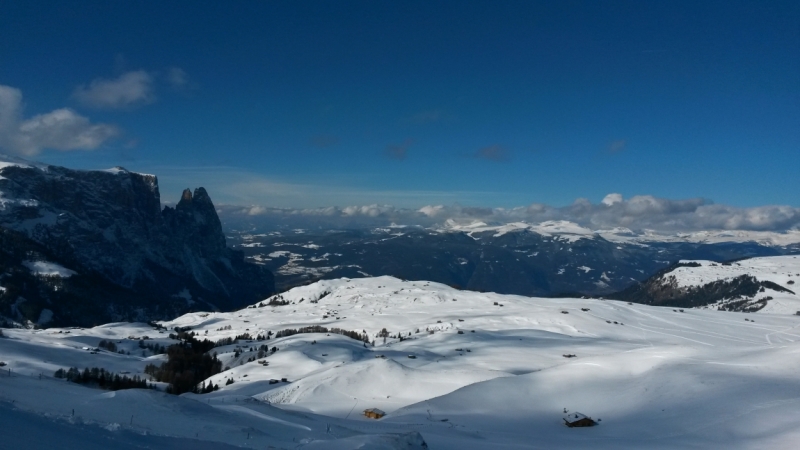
x,y
473,371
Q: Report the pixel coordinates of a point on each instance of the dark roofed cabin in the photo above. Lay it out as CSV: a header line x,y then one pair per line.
x,y
374,413
578,420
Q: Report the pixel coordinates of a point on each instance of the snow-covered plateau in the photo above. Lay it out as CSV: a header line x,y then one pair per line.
x,y
472,371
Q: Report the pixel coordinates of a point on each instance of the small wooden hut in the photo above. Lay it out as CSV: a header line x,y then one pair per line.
x,y
374,413
577,419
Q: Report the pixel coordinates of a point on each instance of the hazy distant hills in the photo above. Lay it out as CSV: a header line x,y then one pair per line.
x,y
87,247
550,259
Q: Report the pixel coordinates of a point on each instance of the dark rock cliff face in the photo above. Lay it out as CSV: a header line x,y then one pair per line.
x,y
108,226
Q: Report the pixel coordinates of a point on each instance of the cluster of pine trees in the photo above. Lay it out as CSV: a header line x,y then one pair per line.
x,y
242,337
155,348
277,300
188,363
102,379
319,329
205,389
108,345
263,350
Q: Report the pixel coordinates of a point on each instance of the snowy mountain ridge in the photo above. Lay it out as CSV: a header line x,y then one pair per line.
x,y
571,232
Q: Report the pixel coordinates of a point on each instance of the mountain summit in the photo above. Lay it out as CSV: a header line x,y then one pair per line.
x,y
130,258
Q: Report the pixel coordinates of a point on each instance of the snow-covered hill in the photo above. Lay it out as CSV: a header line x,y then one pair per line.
x,y
472,371
767,284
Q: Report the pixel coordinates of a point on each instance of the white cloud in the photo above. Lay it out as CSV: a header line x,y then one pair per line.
x,y
274,202
431,210
256,211
128,90
177,77
369,210
642,212
62,129
611,199
10,105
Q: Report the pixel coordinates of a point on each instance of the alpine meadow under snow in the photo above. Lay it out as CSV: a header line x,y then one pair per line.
x,y
451,369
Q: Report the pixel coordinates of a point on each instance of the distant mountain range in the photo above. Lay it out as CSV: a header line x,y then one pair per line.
x,y
87,247
547,259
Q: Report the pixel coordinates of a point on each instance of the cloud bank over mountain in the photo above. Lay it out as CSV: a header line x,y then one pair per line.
x,y
62,129
641,212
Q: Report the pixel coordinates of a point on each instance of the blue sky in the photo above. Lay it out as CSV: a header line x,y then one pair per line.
x,y
500,104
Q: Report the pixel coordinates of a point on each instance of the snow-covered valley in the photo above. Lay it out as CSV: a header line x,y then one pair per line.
x,y
473,370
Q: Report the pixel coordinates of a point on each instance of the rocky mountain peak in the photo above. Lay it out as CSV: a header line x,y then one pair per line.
x,y
194,221
186,199
110,223
199,202
201,196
